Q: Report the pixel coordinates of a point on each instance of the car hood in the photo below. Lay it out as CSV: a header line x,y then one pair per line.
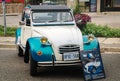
x,y
60,35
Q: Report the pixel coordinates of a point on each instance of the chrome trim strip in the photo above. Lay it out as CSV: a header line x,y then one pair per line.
x,y
59,63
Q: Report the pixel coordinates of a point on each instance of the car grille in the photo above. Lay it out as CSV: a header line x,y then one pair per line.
x,y
68,48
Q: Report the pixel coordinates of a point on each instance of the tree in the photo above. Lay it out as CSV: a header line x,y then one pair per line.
x,y
78,1
77,8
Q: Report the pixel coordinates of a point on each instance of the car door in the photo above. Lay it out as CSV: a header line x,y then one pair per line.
x,y
26,33
26,29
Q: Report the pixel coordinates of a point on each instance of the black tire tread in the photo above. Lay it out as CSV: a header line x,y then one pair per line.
x,y
20,51
33,67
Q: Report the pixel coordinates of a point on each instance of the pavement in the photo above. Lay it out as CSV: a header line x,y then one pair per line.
x,y
106,44
11,20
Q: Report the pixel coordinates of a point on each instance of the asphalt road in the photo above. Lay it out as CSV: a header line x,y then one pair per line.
x,y
12,68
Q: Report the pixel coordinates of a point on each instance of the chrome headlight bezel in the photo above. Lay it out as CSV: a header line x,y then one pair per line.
x,y
44,40
91,37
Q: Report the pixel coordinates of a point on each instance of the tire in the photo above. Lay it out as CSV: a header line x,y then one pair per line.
x,y
26,56
33,66
20,51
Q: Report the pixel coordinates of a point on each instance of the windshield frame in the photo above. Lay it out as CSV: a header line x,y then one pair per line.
x,y
54,22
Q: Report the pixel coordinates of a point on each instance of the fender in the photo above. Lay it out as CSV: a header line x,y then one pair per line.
x,y
94,44
36,46
17,34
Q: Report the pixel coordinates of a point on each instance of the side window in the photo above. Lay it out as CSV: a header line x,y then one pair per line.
x,y
27,17
23,16
28,22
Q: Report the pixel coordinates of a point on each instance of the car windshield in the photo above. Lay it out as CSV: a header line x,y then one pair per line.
x,y
51,17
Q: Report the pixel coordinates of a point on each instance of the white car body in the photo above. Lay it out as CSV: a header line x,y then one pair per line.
x,y
49,37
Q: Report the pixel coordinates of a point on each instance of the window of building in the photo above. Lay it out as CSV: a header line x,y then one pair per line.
x,y
93,5
111,3
84,5
88,5
37,2
116,3
108,3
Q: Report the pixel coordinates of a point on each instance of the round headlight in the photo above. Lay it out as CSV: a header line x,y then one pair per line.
x,y
44,40
90,37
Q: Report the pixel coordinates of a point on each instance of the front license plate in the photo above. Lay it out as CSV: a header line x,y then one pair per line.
x,y
71,56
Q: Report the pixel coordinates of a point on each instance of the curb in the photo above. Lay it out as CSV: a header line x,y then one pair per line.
x,y
12,14
107,49
7,46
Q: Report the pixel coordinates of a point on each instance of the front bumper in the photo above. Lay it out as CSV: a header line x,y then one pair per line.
x,y
60,63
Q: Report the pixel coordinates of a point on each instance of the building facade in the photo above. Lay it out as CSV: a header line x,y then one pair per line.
x,y
89,5
97,5
16,6
12,6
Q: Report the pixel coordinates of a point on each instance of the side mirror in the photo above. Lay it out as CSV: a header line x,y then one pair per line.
x,y
21,23
28,22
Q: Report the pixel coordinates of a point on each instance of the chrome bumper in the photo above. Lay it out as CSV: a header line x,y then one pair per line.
x,y
60,63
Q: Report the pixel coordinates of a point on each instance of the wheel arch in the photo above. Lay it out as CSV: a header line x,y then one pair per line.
x,y
35,47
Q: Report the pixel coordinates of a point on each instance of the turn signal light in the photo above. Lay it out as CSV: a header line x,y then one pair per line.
x,y
39,53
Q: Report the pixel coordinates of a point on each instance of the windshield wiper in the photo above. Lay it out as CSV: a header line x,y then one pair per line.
x,y
52,21
67,21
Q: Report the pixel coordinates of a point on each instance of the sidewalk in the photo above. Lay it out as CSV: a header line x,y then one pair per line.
x,y
111,20
106,44
109,44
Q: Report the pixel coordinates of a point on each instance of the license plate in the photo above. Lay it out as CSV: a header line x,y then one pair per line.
x,y
71,56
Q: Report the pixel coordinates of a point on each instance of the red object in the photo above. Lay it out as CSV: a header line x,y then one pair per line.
x,y
22,1
0,1
7,1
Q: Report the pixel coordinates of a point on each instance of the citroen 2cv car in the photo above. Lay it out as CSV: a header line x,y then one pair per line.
x,y
48,36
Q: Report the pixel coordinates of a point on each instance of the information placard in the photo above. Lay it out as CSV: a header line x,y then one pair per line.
x,y
92,65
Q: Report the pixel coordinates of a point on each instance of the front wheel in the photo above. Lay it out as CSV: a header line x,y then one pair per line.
x,y
20,51
33,66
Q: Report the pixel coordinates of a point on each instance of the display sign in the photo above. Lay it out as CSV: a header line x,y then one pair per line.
x,y
92,65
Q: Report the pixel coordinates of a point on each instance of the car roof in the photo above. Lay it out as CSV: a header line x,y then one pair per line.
x,y
49,8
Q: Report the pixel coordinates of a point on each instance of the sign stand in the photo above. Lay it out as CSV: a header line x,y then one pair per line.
x,y
92,65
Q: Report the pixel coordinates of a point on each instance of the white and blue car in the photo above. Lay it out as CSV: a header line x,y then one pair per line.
x,y
48,36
